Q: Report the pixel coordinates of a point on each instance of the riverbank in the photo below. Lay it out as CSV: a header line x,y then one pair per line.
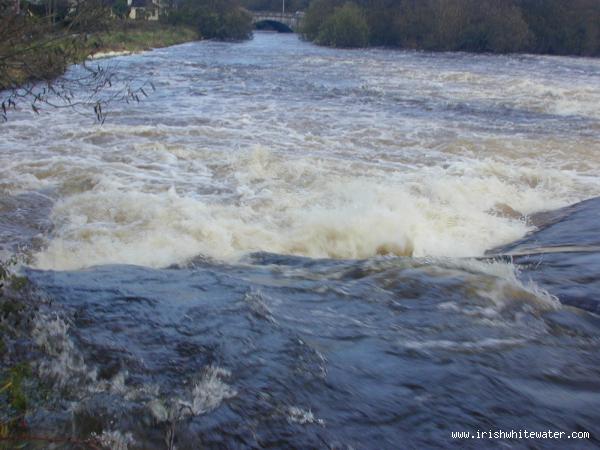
x,y
139,37
483,26
48,56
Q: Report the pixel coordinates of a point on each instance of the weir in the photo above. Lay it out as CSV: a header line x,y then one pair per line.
x,y
285,246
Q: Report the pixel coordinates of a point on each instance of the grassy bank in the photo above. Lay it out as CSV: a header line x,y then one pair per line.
x,y
46,56
135,37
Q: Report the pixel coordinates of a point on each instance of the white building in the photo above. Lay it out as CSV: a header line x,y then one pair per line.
x,y
145,9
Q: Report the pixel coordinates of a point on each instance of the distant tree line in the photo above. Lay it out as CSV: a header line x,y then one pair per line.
x,y
213,19
500,26
276,5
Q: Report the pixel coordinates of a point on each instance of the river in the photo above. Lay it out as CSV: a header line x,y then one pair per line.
x,y
290,246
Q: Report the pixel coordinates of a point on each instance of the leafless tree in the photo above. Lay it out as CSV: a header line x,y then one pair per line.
x,y
36,50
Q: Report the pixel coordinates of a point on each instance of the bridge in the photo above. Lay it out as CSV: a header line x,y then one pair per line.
x,y
279,21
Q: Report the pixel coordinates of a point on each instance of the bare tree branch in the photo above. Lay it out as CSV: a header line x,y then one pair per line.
x,y
35,52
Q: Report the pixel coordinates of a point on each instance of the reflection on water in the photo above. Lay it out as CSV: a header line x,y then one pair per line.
x,y
285,246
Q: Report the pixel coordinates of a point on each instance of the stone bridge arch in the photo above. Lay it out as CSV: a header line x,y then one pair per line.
x,y
281,22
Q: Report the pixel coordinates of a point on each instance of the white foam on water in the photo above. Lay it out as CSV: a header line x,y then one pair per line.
x,y
503,292
64,365
463,346
114,439
303,416
304,207
319,153
211,390
207,394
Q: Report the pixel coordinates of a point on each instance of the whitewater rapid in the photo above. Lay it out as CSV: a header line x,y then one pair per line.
x,y
278,146
286,246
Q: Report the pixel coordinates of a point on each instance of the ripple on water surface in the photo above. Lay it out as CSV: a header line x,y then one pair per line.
x,y
286,245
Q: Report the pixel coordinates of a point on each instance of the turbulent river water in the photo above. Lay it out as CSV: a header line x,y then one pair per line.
x,y
293,246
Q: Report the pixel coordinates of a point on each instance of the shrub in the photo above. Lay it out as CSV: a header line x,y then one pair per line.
x,y
491,26
213,20
560,27
346,27
120,8
318,12
501,26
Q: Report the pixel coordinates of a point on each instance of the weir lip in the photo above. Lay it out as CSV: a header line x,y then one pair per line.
x,y
562,255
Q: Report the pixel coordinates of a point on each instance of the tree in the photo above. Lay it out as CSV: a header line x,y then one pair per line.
x,y
120,8
35,50
492,26
500,26
318,12
214,19
560,27
346,27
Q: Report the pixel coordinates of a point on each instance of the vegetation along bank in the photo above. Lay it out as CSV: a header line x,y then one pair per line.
x,y
38,41
498,26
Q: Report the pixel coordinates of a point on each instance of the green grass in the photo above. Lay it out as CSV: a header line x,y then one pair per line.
x,y
140,38
48,56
